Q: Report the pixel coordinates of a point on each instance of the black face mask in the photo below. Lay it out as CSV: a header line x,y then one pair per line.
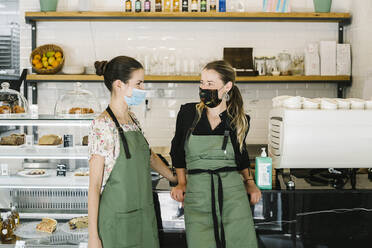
x,y
209,97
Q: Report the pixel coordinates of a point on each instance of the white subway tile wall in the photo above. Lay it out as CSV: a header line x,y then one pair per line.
x,y
85,42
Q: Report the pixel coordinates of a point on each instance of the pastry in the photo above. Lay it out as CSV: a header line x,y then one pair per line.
x,y
47,225
81,174
36,172
50,140
85,140
13,140
78,222
5,110
81,111
18,109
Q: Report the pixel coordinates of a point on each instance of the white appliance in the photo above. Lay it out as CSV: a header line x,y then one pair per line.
x,y
305,138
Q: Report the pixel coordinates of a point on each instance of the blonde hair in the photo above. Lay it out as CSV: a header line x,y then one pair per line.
x,y
235,108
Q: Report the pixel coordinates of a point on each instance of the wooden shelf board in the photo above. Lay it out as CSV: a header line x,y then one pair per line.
x,y
95,78
187,16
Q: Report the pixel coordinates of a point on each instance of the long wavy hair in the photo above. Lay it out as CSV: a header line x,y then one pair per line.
x,y
235,108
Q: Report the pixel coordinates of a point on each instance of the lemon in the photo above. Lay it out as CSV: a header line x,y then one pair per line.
x,y
44,59
51,60
45,64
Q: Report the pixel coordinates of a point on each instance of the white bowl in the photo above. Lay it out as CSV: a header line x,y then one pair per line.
x,y
278,101
329,104
275,73
73,69
311,103
357,103
343,103
369,104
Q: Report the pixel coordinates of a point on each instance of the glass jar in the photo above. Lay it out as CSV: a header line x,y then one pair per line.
x,y
297,65
11,101
270,65
77,103
260,65
284,63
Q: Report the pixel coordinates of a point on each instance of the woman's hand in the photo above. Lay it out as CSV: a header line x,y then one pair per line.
x,y
178,192
94,242
253,191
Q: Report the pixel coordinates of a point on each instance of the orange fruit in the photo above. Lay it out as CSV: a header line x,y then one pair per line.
x,y
35,61
38,65
55,64
58,55
37,57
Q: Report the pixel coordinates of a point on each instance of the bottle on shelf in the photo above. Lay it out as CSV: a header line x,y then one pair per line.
x,y
1,227
167,5
128,6
185,5
194,6
176,5
203,5
212,6
15,216
138,6
147,6
158,5
222,6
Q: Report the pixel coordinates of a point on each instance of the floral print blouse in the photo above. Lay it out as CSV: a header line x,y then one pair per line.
x,y
104,140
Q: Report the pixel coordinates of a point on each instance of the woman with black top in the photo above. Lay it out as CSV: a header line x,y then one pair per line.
x,y
210,144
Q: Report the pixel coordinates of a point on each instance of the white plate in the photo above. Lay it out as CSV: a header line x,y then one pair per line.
x,y
24,173
7,146
66,228
48,146
28,231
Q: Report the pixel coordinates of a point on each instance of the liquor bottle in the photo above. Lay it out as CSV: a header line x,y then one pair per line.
x,y
222,6
158,5
167,5
185,5
212,6
138,6
147,6
203,5
128,6
194,6
176,5
15,216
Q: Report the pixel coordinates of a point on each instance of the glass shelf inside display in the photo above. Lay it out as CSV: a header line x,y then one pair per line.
x,y
39,152
46,120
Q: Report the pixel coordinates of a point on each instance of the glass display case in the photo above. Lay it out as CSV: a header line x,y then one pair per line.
x,y
12,103
77,103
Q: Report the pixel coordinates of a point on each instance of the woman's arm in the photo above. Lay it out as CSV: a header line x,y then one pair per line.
x,y
178,192
250,186
158,165
96,164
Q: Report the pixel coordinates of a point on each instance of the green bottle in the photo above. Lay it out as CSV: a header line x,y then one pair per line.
x,y
138,6
263,171
203,6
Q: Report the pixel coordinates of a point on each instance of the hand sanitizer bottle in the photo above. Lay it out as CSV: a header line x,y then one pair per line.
x,y
263,171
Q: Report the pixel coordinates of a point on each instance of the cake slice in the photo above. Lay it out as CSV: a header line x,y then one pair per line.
x,y
50,140
47,225
78,222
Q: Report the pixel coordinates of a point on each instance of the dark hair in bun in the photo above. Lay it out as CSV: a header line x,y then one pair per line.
x,y
119,68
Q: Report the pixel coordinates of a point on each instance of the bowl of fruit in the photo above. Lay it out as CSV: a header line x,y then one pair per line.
x,y
47,59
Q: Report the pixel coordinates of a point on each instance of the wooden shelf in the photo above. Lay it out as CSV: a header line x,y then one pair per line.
x,y
344,18
175,79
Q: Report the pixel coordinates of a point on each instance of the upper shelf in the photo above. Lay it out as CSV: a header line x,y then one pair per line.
x,y
343,18
175,79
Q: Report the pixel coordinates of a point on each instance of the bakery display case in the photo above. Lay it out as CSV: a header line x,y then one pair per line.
x,y
45,177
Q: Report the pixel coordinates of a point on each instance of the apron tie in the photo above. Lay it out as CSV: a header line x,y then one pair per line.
x,y
220,241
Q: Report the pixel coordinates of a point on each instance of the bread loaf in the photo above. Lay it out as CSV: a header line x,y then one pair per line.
x,y
50,140
13,140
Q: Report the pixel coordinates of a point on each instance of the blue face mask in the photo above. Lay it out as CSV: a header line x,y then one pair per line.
x,y
138,96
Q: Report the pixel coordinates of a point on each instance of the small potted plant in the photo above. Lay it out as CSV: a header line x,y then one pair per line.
x,y
322,6
48,5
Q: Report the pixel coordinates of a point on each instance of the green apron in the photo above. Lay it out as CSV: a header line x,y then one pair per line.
x,y
126,215
217,210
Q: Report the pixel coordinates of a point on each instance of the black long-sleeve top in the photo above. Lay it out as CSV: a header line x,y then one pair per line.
x,y
185,119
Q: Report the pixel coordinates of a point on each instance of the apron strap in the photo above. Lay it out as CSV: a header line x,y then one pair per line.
x,y
121,132
193,125
220,241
